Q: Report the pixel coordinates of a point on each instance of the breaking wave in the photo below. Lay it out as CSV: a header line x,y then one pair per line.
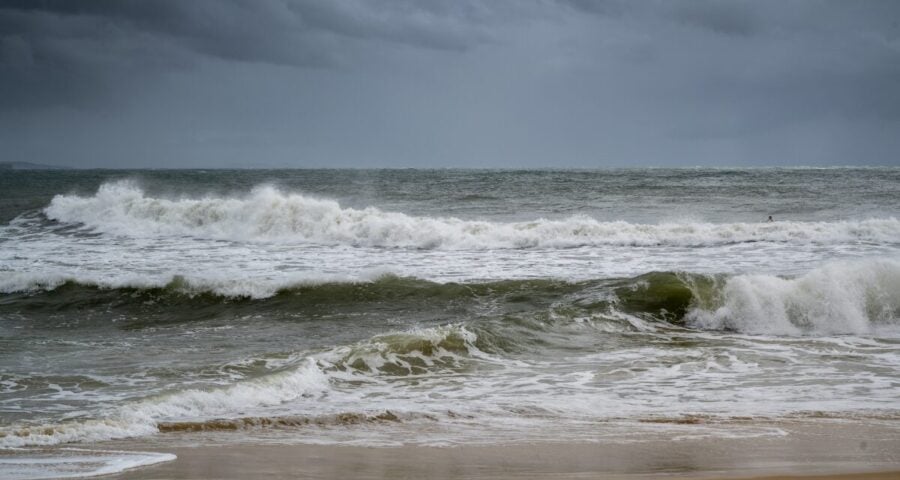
x,y
836,298
268,214
225,408
165,284
143,417
841,297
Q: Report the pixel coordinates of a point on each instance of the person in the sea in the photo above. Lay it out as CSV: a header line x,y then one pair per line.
x,y
770,219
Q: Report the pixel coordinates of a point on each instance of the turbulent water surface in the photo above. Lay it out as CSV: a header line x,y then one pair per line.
x,y
442,307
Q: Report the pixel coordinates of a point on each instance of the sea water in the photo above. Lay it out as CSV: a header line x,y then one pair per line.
x,y
440,307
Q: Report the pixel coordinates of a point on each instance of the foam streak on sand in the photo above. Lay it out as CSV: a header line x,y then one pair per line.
x,y
75,463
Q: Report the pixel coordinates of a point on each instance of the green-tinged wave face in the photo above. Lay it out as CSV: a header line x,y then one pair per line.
x,y
858,296
408,353
391,325
661,295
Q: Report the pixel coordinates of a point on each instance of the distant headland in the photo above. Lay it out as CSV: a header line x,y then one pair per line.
x,y
30,166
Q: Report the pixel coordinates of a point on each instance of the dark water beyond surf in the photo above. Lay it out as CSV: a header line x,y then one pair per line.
x,y
444,307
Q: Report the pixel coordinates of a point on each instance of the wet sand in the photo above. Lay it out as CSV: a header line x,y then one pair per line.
x,y
839,452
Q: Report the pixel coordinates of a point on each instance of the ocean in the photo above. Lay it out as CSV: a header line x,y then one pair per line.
x,y
439,307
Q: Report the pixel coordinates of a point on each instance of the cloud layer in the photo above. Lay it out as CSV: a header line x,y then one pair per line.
x,y
502,83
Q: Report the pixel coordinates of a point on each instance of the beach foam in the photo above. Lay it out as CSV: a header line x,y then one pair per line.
x,y
75,463
140,418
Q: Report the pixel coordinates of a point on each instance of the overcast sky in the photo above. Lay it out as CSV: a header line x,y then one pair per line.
x,y
455,83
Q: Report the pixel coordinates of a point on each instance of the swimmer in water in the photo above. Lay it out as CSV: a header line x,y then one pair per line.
x,y
770,219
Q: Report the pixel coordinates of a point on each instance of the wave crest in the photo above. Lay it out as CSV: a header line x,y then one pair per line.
x,y
838,298
268,214
408,353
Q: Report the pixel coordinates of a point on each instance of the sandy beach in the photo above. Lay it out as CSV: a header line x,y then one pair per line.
x,y
836,451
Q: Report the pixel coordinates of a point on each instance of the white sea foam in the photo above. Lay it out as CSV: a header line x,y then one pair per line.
x,y
75,463
404,351
270,215
310,381
840,297
141,418
31,281
92,430
520,398
224,285
270,390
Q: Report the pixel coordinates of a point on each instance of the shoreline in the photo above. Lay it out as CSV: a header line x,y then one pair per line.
x,y
822,451
495,463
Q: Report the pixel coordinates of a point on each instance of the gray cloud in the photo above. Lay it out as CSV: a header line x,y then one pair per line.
x,y
69,51
295,32
436,83
720,17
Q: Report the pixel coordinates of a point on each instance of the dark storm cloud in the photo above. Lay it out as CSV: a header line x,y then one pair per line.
x,y
276,31
762,64
443,83
69,51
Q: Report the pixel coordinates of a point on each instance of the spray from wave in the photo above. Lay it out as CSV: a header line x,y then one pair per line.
x,y
838,298
268,214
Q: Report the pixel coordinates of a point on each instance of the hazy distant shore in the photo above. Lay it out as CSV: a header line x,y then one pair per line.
x,y
30,166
